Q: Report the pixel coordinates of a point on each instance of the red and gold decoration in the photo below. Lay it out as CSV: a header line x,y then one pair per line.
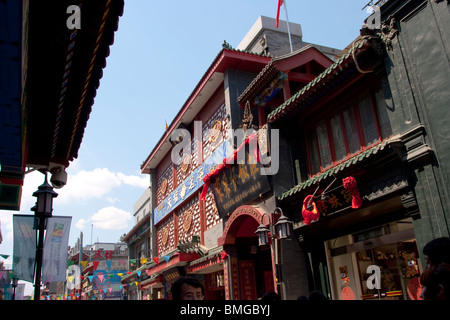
x,y
350,185
164,185
187,223
309,210
216,130
185,163
164,236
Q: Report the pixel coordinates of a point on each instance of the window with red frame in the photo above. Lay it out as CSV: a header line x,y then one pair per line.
x,y
359,124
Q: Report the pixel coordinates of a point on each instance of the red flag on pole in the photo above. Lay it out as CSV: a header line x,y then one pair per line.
x,y
280,3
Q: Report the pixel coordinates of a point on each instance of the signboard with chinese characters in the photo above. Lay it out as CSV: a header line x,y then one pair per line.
x,y
238,185
248,283
190,185
338,199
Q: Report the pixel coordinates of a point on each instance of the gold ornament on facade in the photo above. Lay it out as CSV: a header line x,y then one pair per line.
x,y
185,163
164,236
216,130
187,223
164,185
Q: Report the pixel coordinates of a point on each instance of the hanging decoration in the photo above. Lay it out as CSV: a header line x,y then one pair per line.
x,y
309,210
350,185
156,259
223,255
167,258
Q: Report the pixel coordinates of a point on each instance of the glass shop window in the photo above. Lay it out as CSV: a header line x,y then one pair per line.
x,y
382,264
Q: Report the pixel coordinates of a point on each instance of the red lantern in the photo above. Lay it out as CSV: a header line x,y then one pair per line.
x,y
309,210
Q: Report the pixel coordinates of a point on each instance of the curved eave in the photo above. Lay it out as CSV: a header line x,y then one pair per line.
x,y
63,74
208,84
322,84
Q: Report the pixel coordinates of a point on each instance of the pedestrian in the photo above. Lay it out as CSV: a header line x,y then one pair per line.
x,y
187,288
270,296
437,251
435,281
317,296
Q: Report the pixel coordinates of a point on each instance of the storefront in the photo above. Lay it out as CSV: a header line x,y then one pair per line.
x,y
364,250
211,269
248,268
378,263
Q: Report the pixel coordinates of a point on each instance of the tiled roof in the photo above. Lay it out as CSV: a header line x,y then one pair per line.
x,y
312,89
267,73
338,168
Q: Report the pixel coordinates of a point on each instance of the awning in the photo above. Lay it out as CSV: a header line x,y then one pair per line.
x,y
154,281
209,263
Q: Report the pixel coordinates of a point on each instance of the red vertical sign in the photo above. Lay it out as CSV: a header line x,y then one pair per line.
x,y
248,284
235,279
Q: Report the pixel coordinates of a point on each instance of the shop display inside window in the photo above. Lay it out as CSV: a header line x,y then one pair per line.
x,y
381,263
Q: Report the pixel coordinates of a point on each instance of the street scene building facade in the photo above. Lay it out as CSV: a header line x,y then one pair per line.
x,y
291,167
361,172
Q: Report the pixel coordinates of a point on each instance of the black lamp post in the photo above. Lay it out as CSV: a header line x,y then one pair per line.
x,y
279,230
42,210
15,281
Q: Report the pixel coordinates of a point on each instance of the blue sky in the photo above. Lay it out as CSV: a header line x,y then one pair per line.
x,y
161,50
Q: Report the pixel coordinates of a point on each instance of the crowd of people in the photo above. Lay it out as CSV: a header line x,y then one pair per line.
x,y
435,279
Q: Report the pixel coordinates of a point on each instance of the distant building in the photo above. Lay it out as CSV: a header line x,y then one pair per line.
x,y
95,274
141,246
264,37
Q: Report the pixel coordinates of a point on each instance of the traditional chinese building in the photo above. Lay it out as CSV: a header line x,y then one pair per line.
x,y
206,211
366,160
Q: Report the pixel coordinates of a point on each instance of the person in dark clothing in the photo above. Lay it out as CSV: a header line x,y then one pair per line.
x,y
437,251
187,288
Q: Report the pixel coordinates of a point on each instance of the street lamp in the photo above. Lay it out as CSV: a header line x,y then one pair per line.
x,y
42,210
15,282
282,228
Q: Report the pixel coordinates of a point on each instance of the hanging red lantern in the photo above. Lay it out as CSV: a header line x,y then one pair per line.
x,y
350,185
309,210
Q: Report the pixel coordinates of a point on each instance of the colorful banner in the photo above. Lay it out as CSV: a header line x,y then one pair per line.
x,y
55,249
191,184
20,291
24,247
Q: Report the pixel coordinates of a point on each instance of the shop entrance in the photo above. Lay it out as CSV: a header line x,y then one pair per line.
x,y
379,263
251,270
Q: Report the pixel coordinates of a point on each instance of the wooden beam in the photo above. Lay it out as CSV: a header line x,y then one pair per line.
x,y
301,77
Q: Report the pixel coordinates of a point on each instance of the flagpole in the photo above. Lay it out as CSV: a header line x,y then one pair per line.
x,y
287,20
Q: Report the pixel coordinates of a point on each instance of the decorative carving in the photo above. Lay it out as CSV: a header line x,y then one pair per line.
x,y
247,120
263,139
164,185
164,236
185,163
215,131
388,31
187,223
226,45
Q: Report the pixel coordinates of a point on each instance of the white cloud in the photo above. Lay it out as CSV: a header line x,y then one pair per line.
x,y
81,223
86,185
111,218
6,225
135,181
95,184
